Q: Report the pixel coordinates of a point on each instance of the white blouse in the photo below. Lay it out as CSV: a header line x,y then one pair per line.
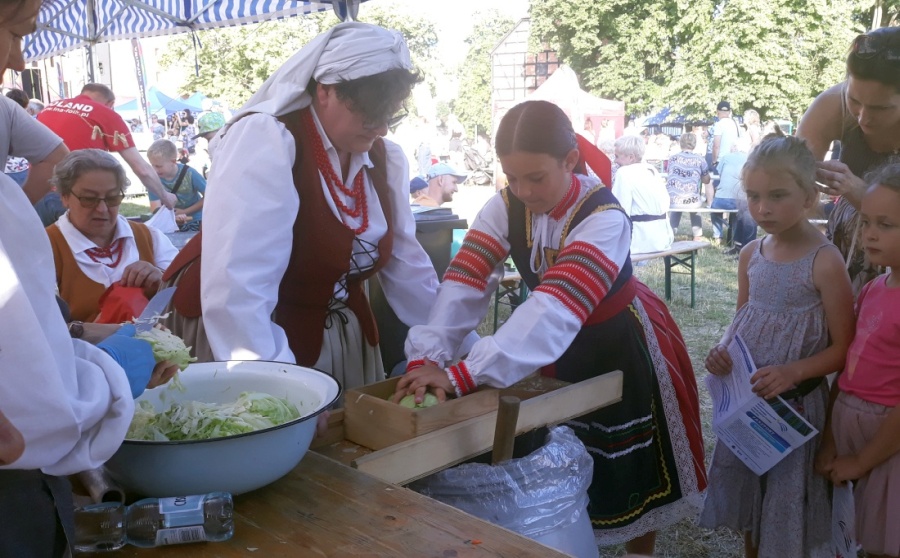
x,y
248,220
71,402
542,328
641,191
163,250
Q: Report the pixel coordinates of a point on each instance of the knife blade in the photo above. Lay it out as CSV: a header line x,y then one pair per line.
x,y
154,308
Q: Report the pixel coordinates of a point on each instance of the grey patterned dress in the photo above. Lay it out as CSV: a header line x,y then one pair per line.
x,y
787,510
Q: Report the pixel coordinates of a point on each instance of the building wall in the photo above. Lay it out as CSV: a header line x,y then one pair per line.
x,y
516,72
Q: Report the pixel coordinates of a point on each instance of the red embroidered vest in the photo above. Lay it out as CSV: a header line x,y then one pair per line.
x,y
321,254
320,257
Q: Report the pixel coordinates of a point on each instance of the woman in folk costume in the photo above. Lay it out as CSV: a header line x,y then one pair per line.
x,y
587,315
308,202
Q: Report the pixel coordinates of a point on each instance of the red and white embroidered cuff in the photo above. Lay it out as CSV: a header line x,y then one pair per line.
x,y
461,379
413,364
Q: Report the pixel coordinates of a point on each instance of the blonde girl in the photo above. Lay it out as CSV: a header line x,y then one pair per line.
x,y
795,313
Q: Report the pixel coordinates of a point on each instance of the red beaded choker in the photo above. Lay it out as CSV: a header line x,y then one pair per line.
x,y
333,181
112,252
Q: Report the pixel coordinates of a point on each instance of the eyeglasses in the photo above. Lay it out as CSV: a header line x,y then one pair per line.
x,y
90,202
392,122
875,44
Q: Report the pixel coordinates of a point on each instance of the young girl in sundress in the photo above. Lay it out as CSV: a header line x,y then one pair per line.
x,y
795,313
862,443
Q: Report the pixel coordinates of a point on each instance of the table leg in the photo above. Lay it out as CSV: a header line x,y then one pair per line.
x,y
691,265
496,306
668,262
729,238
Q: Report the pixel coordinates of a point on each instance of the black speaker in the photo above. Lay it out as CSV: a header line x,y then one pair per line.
x,y
32,84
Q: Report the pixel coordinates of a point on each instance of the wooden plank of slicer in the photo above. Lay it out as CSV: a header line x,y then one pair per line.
x,y
432,452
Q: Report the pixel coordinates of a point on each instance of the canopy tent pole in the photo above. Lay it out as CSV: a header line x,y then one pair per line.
x,y
346,10
91,27
89,56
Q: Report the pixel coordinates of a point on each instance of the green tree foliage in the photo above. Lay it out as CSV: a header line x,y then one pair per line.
x,y
473,104
418,30
232,63
621,49
775,58
771,55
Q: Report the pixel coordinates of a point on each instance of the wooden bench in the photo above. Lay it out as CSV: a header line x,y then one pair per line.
x,y
510,284
682,253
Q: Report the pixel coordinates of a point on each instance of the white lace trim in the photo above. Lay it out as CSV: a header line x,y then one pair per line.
x,y
681,447
692,499
653,520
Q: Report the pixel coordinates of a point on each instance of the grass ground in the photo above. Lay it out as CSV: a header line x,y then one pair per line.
x,y
135,206
702,327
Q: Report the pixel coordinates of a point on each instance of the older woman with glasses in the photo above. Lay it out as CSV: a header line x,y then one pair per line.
x,y
863,112
95,247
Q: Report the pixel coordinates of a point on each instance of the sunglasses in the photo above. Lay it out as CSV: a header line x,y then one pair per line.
x,y
90,202
872,45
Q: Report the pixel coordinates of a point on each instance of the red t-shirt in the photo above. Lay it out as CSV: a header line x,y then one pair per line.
x,y
83,123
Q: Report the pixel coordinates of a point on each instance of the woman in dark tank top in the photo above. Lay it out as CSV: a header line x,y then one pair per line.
x,y
863,113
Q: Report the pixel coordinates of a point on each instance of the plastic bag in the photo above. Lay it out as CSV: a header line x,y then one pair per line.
x,y
843,521
542,496
121,304
163,219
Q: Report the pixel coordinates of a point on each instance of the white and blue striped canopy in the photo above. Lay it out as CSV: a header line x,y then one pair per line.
x,y
64,25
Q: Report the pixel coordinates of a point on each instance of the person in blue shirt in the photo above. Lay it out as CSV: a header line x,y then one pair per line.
x,y
730,195
185,182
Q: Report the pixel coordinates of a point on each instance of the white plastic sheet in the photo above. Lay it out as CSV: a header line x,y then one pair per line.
x,y
542,496
163,219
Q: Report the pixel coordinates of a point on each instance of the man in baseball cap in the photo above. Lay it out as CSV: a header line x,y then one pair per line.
x,y
725,132
443,181
209,124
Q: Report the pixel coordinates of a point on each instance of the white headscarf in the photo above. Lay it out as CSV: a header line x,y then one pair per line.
x,y
345,52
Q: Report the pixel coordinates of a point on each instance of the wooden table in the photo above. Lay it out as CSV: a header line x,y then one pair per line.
x,y
325,509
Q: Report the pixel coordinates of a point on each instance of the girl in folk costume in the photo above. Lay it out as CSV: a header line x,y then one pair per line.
x,y
795,313
862,443
587,316
310,202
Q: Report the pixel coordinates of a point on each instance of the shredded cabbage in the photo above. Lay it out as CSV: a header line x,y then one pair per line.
x,y
193,420
167,346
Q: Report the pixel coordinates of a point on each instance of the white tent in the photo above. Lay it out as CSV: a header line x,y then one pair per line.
x,y
563,90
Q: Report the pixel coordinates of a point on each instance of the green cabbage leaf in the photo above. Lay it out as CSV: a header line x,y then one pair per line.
x,y
167,346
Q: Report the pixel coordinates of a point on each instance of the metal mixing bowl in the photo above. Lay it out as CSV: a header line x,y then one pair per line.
x,y
234,464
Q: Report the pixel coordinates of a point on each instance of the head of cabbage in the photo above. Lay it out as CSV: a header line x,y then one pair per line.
x,y
430,400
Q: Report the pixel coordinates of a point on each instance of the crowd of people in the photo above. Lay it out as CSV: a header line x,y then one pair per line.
x,y
278,270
